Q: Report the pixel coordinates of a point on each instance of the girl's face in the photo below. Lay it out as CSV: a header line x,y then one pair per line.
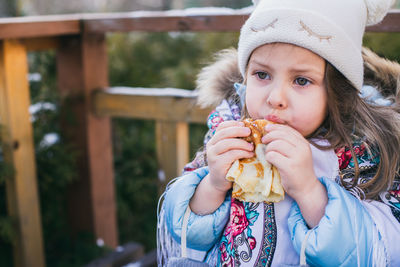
x,y
285,84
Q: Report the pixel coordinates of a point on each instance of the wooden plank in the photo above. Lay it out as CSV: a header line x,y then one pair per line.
x,y
22,189
149,103
161,22
42,43
182,143
182,21
127,254
148,260
45,26
40,26
172,143
82,66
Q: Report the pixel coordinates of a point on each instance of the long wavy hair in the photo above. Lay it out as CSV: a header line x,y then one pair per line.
x,y
351,117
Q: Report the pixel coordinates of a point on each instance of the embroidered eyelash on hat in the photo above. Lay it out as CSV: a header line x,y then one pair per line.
x,y
304,27
331,29
270,25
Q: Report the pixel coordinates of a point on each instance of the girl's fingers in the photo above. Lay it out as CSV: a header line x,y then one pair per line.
x,y
227,124
280,146
280,135
233,155
229,144
277,159
229,132
282,132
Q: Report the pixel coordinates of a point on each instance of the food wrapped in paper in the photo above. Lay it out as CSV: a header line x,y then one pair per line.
x,y
254,179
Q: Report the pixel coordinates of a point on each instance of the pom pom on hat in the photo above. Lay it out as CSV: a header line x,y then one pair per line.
x,y
377,10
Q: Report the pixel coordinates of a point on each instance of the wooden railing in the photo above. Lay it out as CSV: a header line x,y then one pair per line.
x,y
172,109
80,45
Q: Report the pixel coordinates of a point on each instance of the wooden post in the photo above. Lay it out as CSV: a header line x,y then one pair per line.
x,y
172,142
82,67
22,189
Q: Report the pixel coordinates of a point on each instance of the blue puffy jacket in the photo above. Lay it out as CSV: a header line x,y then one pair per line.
x,y
203,231
345,236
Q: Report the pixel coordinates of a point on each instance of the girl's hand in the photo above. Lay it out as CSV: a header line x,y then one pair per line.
x,y
224,148
290,152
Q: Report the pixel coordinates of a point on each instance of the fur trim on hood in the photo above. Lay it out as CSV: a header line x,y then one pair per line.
x,y
215,82
381,73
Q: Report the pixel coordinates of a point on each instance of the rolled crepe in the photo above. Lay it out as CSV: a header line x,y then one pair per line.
x,y
255,179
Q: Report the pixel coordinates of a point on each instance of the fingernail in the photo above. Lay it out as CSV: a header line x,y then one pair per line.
x,y
268,127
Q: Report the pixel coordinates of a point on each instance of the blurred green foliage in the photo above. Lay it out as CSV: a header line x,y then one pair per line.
x,y
140,60
7,230
384,44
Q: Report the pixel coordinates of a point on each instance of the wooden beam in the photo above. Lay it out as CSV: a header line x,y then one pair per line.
x,y
149,103
159,21
180,20
172,142
182,154
41,43
39,26
83,66
128,253
162,22
22,188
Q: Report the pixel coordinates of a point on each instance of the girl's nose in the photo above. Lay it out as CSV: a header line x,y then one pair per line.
x,y
277,97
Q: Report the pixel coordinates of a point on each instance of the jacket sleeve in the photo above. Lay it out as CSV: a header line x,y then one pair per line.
x,y
345,236
203,231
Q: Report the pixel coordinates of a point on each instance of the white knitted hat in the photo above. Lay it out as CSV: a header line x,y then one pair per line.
x,y
333,29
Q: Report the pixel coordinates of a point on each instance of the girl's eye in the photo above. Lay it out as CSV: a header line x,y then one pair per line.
x,y
262,75
302,81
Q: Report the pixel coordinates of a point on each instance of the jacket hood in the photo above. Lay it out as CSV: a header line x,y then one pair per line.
x,y
215,81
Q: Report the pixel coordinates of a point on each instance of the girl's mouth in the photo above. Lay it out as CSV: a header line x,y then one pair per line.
x,y
275,119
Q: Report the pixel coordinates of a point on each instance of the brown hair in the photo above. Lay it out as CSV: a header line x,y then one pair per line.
x,y
351,117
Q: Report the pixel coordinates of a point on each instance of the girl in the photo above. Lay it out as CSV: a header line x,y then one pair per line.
x,y
335,144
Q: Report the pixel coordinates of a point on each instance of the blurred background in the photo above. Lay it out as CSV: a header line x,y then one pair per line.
x,y
139,60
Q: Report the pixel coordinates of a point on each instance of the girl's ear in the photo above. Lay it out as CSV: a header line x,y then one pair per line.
x,y
377,10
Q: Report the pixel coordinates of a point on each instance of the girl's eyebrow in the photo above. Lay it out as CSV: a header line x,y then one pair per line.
x,y
308,69
304,68
256,62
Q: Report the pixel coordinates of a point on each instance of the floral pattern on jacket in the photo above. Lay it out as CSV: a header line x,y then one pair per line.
x,y
240,244
242,217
